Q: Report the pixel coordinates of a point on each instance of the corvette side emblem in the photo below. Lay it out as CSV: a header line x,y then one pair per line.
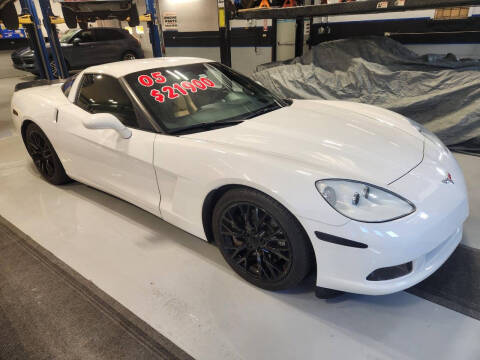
x,y
448,179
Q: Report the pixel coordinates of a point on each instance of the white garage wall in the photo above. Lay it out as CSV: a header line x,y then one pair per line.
x,y
192,15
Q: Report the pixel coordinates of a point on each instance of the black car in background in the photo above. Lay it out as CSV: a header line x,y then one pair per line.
x,y
83,48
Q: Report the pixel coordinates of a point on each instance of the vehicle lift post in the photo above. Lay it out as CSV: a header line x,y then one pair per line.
x,y
57,55
153,29
35,38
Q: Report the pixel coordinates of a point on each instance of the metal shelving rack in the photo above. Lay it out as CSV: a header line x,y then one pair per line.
x,y
345,8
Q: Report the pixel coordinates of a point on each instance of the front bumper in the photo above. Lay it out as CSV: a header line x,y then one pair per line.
x,y
425,238
24,63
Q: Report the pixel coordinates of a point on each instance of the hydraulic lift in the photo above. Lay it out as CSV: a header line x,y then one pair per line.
x,y
53,65
31,22
300,13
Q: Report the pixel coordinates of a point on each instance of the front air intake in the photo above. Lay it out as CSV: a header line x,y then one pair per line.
x,y
390,273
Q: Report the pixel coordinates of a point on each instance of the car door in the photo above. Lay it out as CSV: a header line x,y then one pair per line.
x,y
110,41
84,52
103,158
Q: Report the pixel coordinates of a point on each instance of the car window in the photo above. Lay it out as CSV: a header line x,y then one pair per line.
x,y
103,94
86,36
68,35
107,34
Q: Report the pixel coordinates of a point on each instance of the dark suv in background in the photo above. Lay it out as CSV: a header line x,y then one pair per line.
x,y
83,48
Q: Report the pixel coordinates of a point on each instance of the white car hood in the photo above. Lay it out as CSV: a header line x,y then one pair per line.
x,y
337,139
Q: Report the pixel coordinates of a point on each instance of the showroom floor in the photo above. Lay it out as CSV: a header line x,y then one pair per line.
x,y
182,287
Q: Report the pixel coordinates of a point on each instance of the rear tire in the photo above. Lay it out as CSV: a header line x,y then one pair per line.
x,y
134,18
129,55
44,156
69,17
53,67
9,16
261,240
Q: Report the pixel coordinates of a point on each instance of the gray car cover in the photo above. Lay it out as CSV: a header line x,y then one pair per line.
x,y
438,91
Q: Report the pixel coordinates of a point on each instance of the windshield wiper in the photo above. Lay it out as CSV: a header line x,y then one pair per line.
x,y
205,126
262,111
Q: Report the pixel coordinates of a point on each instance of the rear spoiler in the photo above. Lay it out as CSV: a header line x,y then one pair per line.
x,y
35,83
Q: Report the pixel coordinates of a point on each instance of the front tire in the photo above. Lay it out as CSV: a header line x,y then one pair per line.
x,y
69,17
44,156
134,19
261,240
9,16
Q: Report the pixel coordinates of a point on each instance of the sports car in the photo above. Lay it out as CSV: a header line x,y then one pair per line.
x,y
368,199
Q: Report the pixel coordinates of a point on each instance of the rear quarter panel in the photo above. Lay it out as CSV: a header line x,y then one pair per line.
x,y
39,105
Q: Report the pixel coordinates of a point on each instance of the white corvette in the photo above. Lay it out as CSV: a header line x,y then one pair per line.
x,y
369,199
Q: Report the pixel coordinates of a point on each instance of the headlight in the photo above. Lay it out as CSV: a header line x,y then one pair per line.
x,y
363,202
428,134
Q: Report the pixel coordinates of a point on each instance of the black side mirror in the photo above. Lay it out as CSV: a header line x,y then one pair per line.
x,y
76,41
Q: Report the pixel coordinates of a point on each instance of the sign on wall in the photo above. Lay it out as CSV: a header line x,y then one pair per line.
x,y
169,20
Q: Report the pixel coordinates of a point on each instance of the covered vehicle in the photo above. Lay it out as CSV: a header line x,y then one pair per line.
x,y
438,91
83,48
368,198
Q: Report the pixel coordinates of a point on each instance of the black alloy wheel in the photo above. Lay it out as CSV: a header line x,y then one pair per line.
x,y
44,156
261,240
53,67
129,56
255,242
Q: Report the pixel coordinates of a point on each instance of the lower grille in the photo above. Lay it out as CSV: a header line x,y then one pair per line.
x,y
390,273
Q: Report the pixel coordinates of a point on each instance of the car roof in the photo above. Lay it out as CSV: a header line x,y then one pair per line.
x,y
122,68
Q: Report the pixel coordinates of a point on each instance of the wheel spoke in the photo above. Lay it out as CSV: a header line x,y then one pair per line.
x,y
232,221
229,232
43,167
237,250
277,253
49,167
273,269
255,242
41,153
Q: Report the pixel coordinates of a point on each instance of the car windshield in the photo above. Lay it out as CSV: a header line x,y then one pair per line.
x,y
67,85
198,96
67,35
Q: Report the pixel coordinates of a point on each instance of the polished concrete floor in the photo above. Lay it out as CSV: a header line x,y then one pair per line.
x,y
182,287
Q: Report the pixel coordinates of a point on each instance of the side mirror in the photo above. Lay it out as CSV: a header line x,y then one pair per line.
x,y
76,41
107,121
